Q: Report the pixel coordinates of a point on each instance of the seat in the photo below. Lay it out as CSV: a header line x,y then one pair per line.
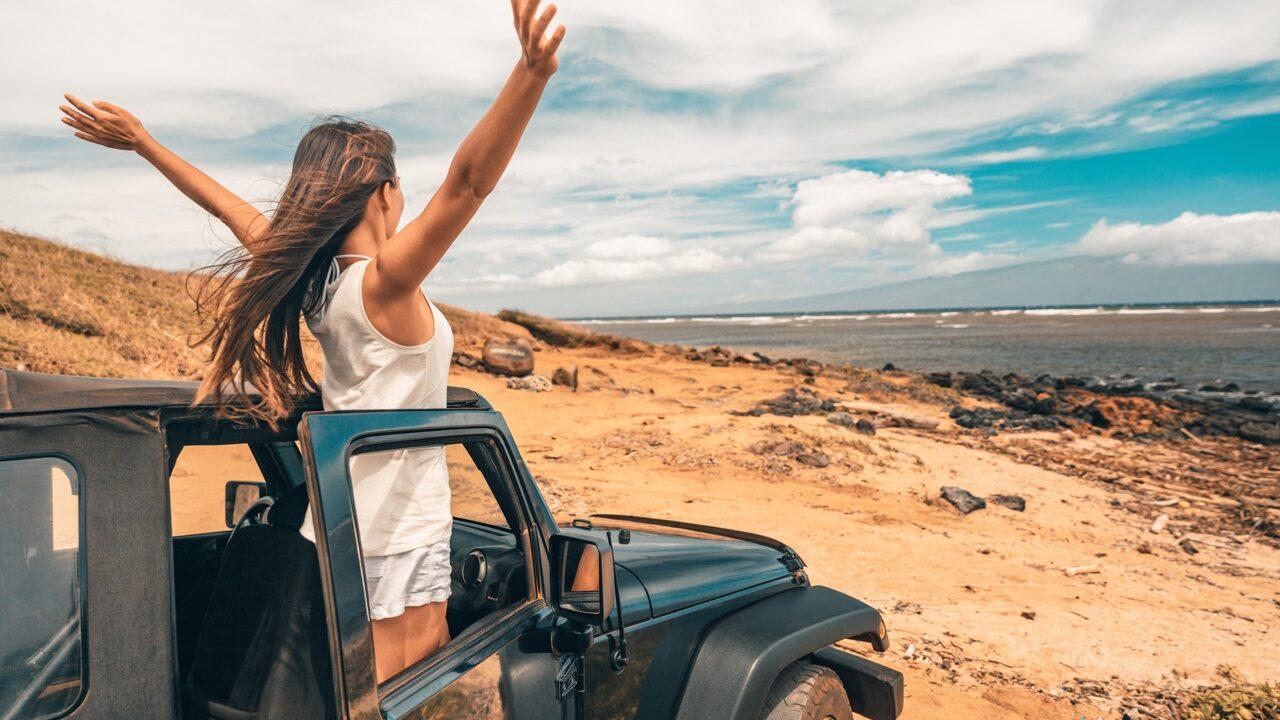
x,y
263,649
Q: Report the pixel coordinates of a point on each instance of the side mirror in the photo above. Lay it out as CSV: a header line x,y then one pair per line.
x,y
582,583
240,495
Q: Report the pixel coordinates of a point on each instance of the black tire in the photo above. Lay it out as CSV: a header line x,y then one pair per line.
x,y
806,691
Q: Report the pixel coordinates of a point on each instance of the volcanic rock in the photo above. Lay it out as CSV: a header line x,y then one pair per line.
x,y
1013,502
466,360
963,500
566,376
841,418
813,458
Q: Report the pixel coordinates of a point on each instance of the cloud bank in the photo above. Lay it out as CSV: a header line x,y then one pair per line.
x,y
1190,239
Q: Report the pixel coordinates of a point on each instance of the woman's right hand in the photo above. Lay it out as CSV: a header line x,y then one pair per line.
x,y
538,50
104,124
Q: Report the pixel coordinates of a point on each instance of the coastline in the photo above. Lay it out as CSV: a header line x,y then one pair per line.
x,y
989,612
651,431
679,432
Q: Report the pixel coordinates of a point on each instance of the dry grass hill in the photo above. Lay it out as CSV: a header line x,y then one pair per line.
x,y
69,311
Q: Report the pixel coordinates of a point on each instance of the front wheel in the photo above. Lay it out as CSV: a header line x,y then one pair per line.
x,y
806,691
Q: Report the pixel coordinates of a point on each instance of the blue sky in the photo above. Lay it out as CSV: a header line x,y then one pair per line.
x,y
690,152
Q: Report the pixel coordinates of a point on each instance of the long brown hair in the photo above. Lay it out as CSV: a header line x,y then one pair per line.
x,y
254,298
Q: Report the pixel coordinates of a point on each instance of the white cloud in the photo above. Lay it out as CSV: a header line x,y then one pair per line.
x,y
967,262
857,212
1190,239
629,246
852,194
763,93
609,261
816,242
1076,122
1001,156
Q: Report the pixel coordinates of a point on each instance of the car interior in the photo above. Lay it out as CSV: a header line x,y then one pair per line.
x,y
250,624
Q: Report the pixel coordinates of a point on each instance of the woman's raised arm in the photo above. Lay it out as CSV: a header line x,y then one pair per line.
x,y
405,260
112,126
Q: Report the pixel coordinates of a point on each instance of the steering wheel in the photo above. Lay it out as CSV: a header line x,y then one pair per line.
x,y
255,513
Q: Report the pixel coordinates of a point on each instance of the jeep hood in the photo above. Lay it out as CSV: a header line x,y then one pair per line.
x,y
680,568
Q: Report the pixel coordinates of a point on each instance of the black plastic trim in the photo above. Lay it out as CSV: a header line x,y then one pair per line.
x,y
875,691
743,653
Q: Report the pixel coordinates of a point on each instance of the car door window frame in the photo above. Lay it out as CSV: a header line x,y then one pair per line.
x,y
82,568
352,654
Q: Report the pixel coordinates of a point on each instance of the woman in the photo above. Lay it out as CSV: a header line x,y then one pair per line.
x,y
331,253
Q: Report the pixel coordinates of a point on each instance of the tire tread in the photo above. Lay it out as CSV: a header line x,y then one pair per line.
x,y
800,691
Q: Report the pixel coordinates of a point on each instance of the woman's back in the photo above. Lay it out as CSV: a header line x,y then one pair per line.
x,y
402,497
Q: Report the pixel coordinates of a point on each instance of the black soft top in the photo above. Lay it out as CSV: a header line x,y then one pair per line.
x,y
29,392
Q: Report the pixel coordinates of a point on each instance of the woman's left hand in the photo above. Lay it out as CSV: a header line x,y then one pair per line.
x,y
539,51
104,124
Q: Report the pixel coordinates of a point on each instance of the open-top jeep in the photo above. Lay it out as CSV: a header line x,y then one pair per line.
x,y
141,578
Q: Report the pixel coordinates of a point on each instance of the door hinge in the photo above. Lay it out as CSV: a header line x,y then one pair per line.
x,y
791,560
569,676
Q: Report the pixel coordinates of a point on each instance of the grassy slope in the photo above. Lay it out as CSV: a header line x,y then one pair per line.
x,y
69,311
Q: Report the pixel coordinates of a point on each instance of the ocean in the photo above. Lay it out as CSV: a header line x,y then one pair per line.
x,y
1197,345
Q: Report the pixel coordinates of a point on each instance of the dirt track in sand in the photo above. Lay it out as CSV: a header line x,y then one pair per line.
x,y
652,435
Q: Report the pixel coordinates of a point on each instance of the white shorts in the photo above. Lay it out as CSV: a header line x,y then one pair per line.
x,y
414,577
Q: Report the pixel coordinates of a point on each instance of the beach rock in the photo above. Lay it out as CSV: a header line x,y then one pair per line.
x,y
1255,404
1013,502
1188,547
1093,415
508,356
941,379
808,368
533,383
813,458
1258,432
777,444
566,376
976,418
963,500
1224,388
466,360
865,426
889,367
841,418
794,401
762,359
719,357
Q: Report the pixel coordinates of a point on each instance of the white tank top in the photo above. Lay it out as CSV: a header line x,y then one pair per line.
x,y
401,496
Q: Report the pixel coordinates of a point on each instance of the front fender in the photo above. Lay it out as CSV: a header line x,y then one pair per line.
x,y
742,653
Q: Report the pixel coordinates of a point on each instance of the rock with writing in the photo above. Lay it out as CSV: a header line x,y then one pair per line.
x,y
508,356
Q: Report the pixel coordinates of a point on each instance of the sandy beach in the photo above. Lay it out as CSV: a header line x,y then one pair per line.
x,y
1084,604
987,618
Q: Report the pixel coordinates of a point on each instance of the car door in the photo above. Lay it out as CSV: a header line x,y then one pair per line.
x,y
501,666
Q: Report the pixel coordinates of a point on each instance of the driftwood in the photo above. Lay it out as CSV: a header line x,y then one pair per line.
x,y
1083,570
1160,524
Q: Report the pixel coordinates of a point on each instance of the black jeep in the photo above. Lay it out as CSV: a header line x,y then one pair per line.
x,y
151,567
